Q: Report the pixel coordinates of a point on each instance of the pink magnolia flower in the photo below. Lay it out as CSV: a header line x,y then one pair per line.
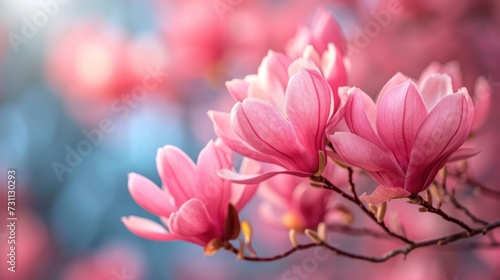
x,y
482,89
291,202
323,31
281,117
411,133
193,201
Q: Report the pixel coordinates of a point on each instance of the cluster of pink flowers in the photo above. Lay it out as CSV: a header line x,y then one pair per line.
x,y
293,121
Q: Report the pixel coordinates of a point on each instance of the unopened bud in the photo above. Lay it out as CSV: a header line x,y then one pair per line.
x,y
428,196
246,229
212,247
293,238
241,252
381,212
313,236
322,231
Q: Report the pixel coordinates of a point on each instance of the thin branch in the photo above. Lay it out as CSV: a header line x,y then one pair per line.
x,y
357,231
429,208
389,255
355,199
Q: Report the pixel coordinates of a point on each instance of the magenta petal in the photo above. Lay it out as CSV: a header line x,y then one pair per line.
x,y
332,64
362,153
308,107
399,116
176,171
463,153
325,30
147,229
434,88
149,196
443,131
360,114
256,178
383,194
264,128
191,219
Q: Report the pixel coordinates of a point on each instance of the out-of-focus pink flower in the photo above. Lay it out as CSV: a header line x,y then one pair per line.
x,y
281,117
323,31
482,89
291,202
194,200
411,133
92,64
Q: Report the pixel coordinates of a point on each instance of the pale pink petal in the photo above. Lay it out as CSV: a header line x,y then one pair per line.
x,y
482,102
383,194
362,153
298,43
451,68
256,178
147,229
436,87
443,131
223,129
191,219
176,171
149,196
275,64
242,194
308,107
463,153
264,128
399,116
301,63
333,69
238,89
397,79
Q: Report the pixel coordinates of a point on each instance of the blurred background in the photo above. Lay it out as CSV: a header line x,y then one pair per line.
x,y
89,90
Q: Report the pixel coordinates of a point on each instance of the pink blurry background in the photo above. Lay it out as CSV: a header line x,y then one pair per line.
x,y
63,77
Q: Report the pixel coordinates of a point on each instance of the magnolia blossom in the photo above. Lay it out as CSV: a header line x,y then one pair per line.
x,y
193,201
323,31
482,89
281,117
411,133
291,202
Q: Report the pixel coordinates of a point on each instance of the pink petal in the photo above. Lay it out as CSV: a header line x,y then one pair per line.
x,y
238,89
463,153
383,194
149,196
308,107
276,64
443,131
191,219
223,129
451,68
362,153
177,172
435,88
399,115
256,178
213,190
326,30
264,128
360,114
397,79
147,229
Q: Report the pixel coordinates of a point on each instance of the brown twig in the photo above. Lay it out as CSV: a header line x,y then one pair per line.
x,y
357,231
389,255
355,199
